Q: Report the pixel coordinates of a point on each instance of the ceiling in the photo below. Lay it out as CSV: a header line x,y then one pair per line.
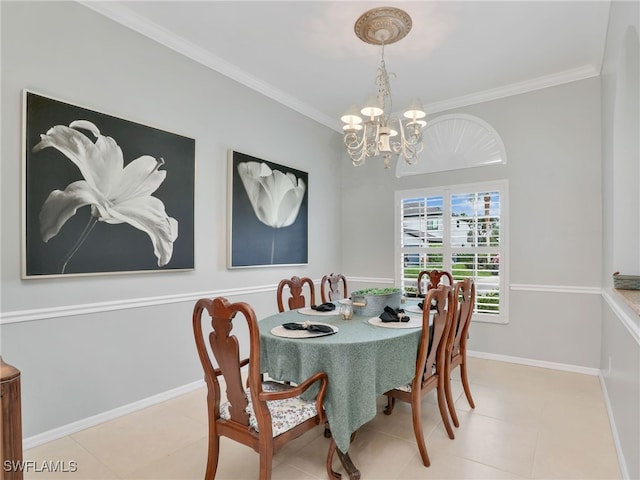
x,y
306,55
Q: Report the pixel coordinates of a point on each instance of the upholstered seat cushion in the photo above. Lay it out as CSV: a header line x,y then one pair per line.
x,y
285,414
407,387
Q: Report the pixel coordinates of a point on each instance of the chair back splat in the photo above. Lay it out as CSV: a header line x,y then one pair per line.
x,y
295,286
333,287
435,278
263,416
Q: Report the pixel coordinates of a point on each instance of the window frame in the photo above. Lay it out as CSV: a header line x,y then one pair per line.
x,y
500,186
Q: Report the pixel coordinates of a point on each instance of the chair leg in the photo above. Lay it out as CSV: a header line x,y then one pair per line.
x,y
332,450
345,460
417,430
443,410
449,396
266,459
388,410
212,457
465,383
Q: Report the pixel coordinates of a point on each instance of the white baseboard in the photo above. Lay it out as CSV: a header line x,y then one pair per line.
x,y
535,363
74,427
624,471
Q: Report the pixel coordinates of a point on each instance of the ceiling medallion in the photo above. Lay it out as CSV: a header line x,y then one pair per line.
x,y
384,25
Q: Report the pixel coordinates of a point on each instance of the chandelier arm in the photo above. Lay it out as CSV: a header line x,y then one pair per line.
x,y
406,149
360,148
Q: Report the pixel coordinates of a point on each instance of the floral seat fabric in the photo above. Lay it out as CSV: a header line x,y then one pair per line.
x,y
285,414
407,387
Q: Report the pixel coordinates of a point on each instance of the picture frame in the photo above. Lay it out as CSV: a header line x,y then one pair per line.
x,y
267,213
101,194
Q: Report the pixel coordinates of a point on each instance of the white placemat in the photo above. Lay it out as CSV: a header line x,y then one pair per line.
x,y
280,331
311,311
414,322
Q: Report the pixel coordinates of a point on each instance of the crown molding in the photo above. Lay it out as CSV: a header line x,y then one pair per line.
x,y
560,78
142,25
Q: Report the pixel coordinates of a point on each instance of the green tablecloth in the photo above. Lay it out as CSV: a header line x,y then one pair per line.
x,y
362,362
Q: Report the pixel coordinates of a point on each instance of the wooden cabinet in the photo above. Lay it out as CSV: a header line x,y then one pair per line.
x,y
10,422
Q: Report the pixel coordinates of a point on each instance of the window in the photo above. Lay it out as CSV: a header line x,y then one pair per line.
x,y
461,229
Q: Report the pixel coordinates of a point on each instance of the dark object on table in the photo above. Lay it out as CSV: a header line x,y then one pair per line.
x,y
393,315
324,307
421,305
309,327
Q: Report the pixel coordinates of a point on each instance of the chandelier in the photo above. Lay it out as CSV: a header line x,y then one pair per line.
x,y
374,130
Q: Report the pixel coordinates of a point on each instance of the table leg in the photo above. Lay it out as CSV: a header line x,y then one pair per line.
x,y
352,470
345,460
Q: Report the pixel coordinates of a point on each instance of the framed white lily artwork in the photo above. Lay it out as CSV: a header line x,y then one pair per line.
x,y
268,213
103,195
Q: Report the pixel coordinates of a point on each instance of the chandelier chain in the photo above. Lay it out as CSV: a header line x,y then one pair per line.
x,y
385,100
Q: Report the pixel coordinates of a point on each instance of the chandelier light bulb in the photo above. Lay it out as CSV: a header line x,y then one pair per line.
x,y
415,111
351,116
372,108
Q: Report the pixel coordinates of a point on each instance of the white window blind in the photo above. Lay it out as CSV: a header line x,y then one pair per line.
x,y
461,229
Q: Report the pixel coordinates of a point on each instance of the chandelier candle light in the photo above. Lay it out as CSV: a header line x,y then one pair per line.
x,y
381,132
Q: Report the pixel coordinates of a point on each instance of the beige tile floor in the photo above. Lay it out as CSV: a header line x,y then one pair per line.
x,y
529,422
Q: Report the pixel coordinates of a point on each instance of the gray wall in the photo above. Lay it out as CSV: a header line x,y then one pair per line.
x,y
137,342
552,140
86,346
620,359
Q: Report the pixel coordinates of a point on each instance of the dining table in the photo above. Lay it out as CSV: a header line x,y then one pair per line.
x,y
363,358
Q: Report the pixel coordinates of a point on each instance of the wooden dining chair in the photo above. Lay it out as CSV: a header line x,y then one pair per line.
x,y
435,278
333,287
295,286
296,299
464,299
430,364
263,416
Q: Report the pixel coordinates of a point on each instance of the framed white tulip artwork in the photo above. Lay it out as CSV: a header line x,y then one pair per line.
x,y
268,213
103,195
